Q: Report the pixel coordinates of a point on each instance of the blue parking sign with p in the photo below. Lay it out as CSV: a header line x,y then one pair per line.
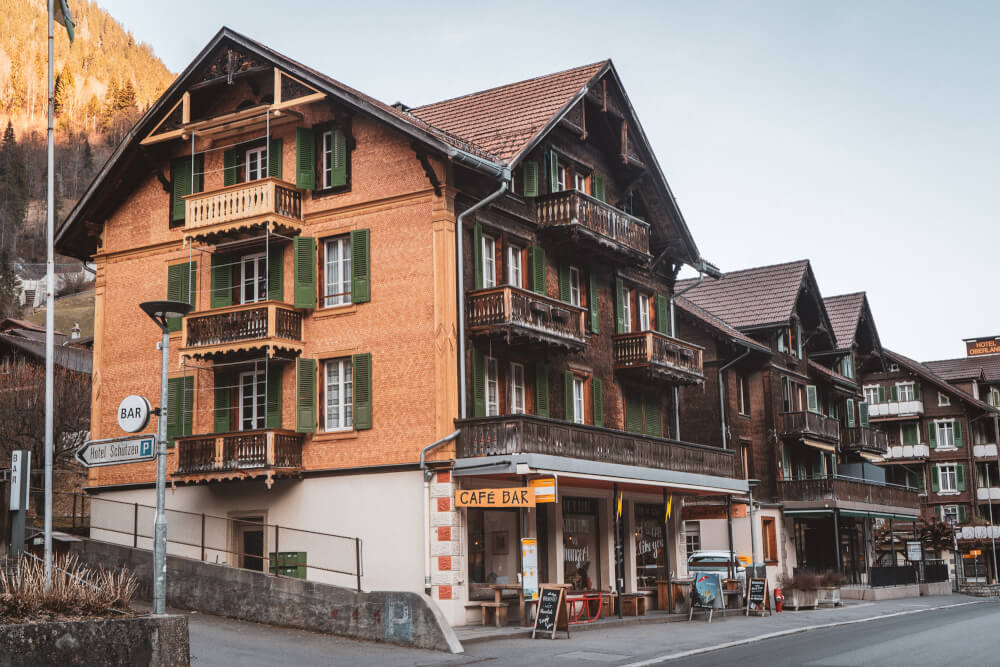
x,y
146,447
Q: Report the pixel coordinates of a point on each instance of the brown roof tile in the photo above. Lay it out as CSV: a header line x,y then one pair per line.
x,y
719,325
965,368
926,373
844,311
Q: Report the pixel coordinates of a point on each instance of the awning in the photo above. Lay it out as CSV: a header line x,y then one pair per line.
x,y
874,458
825,446
878,515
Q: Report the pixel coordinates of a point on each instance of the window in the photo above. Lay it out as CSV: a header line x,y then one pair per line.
x,y
769,535
252,400
337,271
648,545
905,392
580,182
489,262
893,368
994,398
254,281
945,434
627,309
574,286
948,477
578,409
909,434
256,161
339,394
334,159
742,400
847,367
492,388
560,177
871,395
514,275
643,312
949,514
692,536
516,388
786,395
943,399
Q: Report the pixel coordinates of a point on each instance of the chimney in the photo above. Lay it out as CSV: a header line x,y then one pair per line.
x,y
75,331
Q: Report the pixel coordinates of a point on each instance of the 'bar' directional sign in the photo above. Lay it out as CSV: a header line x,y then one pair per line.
x,y
117,450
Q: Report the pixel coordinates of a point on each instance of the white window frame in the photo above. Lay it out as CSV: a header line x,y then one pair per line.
x,y
517,393
328,157
574,286
994,397
643,312
338,415
515,276
578,402
847,366
337,260
580,182
742,400
260,153
692,537
258,405
943,399
947,510
871,394
945,426
952,471
492,388
900,386
489,262
258,283
560,176
627,309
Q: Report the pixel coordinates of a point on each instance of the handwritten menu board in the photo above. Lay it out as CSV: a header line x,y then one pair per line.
x,y
551,614
757,599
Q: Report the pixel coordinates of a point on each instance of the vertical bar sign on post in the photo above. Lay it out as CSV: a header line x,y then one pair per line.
x,y
20,483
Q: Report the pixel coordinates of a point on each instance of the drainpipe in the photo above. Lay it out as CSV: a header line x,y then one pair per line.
x,y
722,393
505,175
673,332
427,505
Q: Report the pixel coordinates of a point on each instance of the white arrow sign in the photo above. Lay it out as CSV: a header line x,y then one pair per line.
x,y
117,450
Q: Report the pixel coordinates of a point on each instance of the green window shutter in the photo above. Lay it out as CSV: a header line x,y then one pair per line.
x,y
541,389
881,394
222,280
939,511
223,403
187,404
553,172
276,273
662,315
529,175
477,255
304,248
633,412
960,476
619,306
478,383
338,171
361,282
597,389
651,407
894,393
180,179
932,434
812,402
564,281
537,270
935,479
850,412
305,158
305,395
174,390
568,395
962,515
362,366
594,305
863,413
916,391
182,285
958,433
230,162
597,183
273,415
274,154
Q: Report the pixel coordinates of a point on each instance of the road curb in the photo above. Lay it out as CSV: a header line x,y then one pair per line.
x,y
784,633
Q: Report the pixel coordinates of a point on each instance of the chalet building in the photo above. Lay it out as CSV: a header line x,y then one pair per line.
x,y
479,287
796,416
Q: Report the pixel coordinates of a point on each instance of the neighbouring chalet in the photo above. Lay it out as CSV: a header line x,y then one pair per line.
x,y
483,284
797,416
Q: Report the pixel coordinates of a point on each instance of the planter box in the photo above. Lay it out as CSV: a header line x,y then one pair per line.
x,y
796,599
828,596
160,641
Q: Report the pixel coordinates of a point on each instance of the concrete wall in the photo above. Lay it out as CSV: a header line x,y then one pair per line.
x,y
405,618
154,641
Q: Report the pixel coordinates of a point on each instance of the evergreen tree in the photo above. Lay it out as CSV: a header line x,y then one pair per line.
x,y
126,97
10,284
88,157
13,186
64,89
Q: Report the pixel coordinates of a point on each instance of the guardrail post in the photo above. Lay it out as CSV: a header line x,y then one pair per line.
x,y
203,537
277,555
357,560
135,526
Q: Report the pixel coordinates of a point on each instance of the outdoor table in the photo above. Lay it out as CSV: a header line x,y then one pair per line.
x,y
498,590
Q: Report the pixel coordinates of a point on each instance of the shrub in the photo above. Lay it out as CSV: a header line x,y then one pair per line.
x,y
832,579
804,581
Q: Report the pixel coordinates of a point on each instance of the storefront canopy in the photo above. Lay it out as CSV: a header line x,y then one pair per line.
x,y
817,514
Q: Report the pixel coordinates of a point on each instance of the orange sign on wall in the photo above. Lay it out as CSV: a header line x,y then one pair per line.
x,y
512,497
706,512
545,489
977,347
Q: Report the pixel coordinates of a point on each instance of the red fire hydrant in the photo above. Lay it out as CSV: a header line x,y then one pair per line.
x,y
778,599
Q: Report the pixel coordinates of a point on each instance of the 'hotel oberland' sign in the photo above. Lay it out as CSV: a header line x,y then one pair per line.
x,y
977,347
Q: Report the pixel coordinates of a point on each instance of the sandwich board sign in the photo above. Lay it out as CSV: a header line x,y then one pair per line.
x,y
552,614
131,449
757,598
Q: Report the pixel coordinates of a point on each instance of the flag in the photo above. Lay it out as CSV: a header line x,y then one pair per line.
x,y
64,17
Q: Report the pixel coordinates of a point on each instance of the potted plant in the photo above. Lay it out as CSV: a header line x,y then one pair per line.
x,y
828,591
800,590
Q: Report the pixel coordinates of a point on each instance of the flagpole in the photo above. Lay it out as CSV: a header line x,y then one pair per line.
x,y
49,312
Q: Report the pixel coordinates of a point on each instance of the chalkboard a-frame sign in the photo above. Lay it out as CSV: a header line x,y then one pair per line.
x,y
757,597
552,615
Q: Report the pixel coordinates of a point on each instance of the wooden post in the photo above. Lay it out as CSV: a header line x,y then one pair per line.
x,y
203,537
836,538
277,555
74,513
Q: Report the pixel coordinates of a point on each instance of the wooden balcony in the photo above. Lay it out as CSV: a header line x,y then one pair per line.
x,y
212,216
242,453
595,224
658,357
809,425
529,434
848,492
522,316
865,439
266,324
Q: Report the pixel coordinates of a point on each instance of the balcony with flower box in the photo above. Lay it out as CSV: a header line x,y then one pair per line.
x,y
521,316
594,225
864,440
808,425
656,356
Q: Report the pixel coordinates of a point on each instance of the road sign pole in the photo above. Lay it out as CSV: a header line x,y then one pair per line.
x,y
160,524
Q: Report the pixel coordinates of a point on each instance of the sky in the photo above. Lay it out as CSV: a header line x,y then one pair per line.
x,y
862,136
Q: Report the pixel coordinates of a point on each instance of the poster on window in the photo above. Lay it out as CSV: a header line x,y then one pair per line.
x,y
529,568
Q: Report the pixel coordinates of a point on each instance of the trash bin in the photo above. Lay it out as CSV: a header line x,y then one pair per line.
x,y
680,591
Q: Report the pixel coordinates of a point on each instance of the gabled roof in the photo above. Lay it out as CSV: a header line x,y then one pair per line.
x,y
848,313
930,376
986,368
11,323
73,358
718,325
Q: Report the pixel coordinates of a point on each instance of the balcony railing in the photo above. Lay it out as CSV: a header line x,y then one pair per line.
x,y
827,489
864,438
610,226
245,322
519,313
988,450
896,408
659,355
529,434
810,424
242,450
907,452
266,197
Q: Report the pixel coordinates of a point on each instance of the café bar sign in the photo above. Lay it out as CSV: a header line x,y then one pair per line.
x,y
509,497
977,347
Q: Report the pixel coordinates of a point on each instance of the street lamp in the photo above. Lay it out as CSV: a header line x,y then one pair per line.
x,y
751,483
160,312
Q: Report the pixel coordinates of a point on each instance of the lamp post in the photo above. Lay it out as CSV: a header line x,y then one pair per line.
x,y
751,483
160,312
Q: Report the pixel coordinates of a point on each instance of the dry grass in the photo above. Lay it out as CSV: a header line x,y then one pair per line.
x,y
77,592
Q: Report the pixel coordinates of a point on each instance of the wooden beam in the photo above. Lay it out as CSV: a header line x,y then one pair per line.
x,y
428,169
186,108
277,86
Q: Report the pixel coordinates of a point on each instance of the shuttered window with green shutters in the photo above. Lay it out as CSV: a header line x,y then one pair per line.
x,y
275,273
958,433
273,412
863,413
182,285
662,315
597,183
633,412
222,411
881,394
812,400
222,280
360,267
597,392
180,407
568,377
593,304
564,281
619,306
651,409
362,364
529,176
305,395
541,389
850,412
230,167
537,269
334,158
305,158
275,153
183,182
304,249
478,382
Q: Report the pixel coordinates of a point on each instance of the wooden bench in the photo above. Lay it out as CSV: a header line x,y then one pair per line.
x,y
499,610
634,604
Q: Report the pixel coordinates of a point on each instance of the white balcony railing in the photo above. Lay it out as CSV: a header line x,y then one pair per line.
x,y
896,408
908,452
983,451
977,532
988,493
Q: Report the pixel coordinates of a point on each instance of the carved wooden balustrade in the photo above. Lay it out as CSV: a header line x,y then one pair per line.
x,y
260,321
659,356
810,424
610,227
519,313
864,438
240,450
849,489
261,199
